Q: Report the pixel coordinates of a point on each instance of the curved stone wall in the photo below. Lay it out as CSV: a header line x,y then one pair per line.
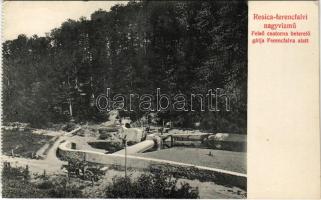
x,y
65,152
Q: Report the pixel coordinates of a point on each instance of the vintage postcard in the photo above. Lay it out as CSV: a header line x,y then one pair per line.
x,y
158,99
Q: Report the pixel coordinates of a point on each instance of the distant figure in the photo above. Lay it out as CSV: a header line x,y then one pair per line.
x,y
161,130
127,125
197,124
169,124
147,129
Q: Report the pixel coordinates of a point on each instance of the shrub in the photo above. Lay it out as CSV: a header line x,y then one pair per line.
x,y
16,184
150,186
16,173
61,189
69,127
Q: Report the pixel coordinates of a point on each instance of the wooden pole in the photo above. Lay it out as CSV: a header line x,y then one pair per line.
x,y
70,108
125,157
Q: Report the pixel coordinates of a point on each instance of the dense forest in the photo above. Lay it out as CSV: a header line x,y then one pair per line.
x,y
182,47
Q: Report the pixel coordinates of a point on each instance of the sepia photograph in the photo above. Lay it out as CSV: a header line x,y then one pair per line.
x,y
124,99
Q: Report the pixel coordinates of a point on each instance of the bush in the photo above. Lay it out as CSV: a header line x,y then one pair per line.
x,y
150,186
16,184
16,173
69,127
12,188
61,189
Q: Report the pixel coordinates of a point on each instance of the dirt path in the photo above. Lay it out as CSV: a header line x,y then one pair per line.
x,y
35,166
43,151
52,156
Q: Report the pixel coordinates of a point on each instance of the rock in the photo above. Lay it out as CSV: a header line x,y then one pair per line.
x,y
132,134
219,137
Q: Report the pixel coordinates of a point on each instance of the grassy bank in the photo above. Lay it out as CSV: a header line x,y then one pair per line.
x,y
22,143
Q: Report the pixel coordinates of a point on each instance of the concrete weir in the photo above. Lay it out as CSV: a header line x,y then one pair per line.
x,y
138,148
149,143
